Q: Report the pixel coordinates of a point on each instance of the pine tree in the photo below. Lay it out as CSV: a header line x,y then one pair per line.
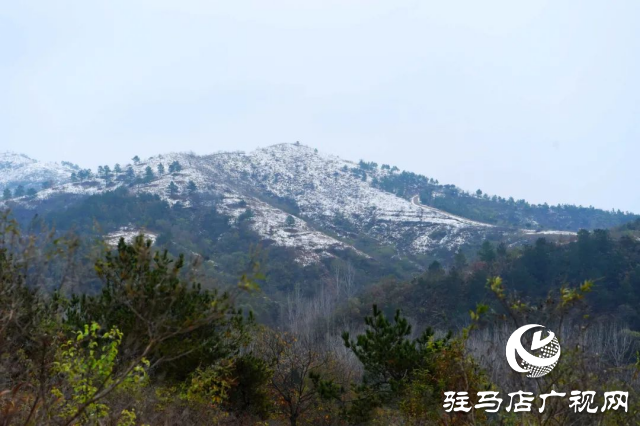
x,y
486,252
290,221
148,174
191,187
501,250
172,189
84,174
74,177
460,260
390,359
19,192
130,175
6,194
160,169
135,159
117,169
175,167
435,267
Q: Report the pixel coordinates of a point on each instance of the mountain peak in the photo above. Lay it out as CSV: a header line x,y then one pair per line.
x,y
333,202
14,157
20,169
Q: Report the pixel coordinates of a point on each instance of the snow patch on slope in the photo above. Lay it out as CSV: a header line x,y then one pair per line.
x,y
326,191
18,169
271,224
129,234
533,232
324,187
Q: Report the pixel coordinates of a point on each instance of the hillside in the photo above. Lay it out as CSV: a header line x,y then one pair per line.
x,y
18,169
292,196
608,258
497,210
307,243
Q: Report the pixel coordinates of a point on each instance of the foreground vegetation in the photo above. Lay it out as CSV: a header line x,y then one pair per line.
x,y
155,341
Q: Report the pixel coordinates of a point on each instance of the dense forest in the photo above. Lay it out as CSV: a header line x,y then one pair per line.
x,y
97,334
498,210
227,246
611,259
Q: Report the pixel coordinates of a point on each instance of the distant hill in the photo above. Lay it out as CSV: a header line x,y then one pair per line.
x,y
308,209
19,170
497,210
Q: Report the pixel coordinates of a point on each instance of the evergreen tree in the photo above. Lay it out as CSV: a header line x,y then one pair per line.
x,y
130,175
435,267
19,192
83,174
486,252
106,173
390,359
172,189
148,174
290,221
117,169
160,169
175,167
74,177
191,187
502,249
136,159
6,194
31,192
460,260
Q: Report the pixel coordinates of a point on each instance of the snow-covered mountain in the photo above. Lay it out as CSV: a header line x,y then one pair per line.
x,y
326,190
18,169
292,196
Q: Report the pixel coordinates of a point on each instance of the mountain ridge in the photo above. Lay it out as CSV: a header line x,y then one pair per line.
x,y
333,203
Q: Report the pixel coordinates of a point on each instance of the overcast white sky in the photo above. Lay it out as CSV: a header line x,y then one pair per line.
x,y
531,99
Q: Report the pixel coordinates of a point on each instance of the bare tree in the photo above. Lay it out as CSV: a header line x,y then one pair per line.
x,y
293,360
